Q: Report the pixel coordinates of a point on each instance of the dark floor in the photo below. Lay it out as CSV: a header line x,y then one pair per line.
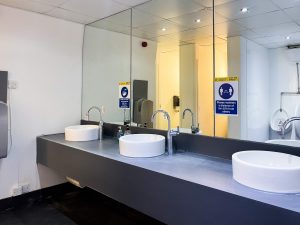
x,y
71,206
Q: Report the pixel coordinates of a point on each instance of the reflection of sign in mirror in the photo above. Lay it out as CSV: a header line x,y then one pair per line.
x,y
124,95
226,96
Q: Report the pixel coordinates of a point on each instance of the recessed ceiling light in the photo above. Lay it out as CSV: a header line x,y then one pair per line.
x,y
197,20
244,10
163,29
287,37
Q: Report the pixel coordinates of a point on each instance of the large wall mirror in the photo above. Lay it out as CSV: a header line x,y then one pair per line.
x,y
166,49
106,64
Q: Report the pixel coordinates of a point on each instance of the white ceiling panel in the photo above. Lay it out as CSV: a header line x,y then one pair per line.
x,y
281,29
70,16
294,12
263,20
205,16
156,29
51,2
121,19
232,10
28,5
209,3
94,8
283,4
229,29
131,2
169,8
140,18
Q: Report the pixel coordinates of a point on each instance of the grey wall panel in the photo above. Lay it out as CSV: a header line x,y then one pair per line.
x,y
3,86
168,199
3,129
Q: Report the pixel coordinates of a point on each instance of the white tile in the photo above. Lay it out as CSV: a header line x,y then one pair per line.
x,y
283,4
71,16
294,12
27,5
281,29
94,8
266,19
131,2
51,2
205,16
232,10
169,8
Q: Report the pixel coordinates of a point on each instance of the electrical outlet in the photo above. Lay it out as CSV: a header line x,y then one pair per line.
x,y
25,188
12,84
16,190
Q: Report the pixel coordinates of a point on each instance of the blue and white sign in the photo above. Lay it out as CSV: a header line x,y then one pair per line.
x,y
124,95
226,96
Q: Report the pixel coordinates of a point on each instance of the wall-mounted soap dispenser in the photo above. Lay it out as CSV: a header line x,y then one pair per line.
x,y
3,115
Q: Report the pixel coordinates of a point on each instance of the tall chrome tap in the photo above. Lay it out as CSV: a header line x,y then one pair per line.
x,y
171,132
101,122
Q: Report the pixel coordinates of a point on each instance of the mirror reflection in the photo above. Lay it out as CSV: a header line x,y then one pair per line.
x,y
106,67
166,49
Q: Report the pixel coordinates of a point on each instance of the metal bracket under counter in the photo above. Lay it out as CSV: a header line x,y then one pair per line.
x,y
165,198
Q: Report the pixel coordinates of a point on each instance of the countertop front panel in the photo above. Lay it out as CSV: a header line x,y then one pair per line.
x,y
185,188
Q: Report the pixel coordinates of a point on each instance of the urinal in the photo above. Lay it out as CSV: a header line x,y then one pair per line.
x,y
297,122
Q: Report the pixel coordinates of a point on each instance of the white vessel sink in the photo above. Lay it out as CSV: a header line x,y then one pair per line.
x,y
293,143
142,145
82,133
267,171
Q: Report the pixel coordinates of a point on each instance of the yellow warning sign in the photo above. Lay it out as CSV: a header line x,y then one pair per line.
x,y
124,83
222,79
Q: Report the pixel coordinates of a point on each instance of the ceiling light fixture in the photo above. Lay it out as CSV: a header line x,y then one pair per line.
x,y
244,10
197,20
163,29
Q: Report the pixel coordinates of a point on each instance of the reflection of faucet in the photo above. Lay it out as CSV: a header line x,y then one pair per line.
x,y
100,121
195,129
285,123
171,132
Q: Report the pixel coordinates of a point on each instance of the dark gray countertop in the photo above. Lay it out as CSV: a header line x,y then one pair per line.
x,y
207,171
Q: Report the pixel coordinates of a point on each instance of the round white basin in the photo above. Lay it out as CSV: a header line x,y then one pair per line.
x,y
82,133
293,143
142,145
267,171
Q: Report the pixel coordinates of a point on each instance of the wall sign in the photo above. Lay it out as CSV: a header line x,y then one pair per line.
x,y
226,95
124,95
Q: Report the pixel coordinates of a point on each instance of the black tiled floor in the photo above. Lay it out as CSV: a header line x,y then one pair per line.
x,y
74,207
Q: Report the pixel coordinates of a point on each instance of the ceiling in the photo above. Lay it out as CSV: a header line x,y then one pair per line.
x,y
80,11
271,23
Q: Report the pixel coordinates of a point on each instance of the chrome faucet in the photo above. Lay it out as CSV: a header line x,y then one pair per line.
x,y
285,123
101,122
194,129
171,132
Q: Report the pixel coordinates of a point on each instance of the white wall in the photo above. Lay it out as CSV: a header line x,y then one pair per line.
x,y
258,84
106,62
250,62
43,55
